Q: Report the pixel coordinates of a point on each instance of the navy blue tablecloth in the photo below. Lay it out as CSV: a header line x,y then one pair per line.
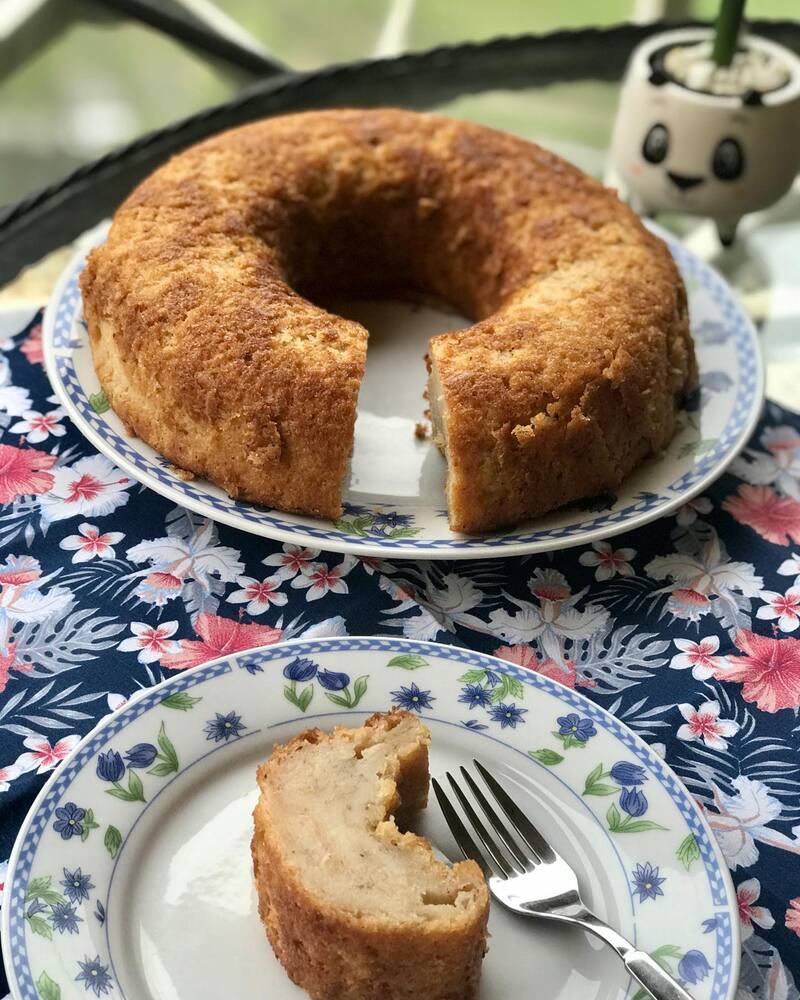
x,y
686,629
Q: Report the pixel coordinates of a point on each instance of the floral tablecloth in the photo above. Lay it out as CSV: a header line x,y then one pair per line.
x,y
686,629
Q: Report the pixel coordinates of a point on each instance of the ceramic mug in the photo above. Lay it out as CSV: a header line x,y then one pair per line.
x,y
680,150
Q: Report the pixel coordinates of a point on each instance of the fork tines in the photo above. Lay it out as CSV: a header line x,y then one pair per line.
x,y
509,856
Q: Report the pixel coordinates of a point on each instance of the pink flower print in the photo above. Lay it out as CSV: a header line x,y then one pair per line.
x,y
783,607
524,656
775,518
608,561
699,656
291,561
89,543
769,670
38,427
258,594
31,346
746,895
704,725
219,637
22,472
792,919
151,642
42,757
688,513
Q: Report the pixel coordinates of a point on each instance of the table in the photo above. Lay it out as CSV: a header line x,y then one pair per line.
x,y
686,629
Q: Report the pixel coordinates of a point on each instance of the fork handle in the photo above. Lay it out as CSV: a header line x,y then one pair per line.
x,y
658,983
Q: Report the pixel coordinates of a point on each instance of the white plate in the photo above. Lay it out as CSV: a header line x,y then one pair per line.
x,y
150,896
394,501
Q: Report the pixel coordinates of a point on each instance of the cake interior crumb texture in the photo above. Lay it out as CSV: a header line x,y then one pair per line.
x,y
354,905
208,336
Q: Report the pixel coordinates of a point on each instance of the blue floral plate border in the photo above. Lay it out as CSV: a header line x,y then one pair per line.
x,y
56,930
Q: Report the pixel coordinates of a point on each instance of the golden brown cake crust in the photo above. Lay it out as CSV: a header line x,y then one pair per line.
x,y
207,348
339,955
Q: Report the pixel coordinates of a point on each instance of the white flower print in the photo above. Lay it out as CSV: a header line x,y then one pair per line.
x,y
704,724
41,756
91,487
38,427
318,580
699,656
747,893
13,398
783,607
7,775
190,554
778,466
115,701
553,619
259,594
743,818
89,542
791,567
150,641
329,627
609,561
689,512
706,582
293,560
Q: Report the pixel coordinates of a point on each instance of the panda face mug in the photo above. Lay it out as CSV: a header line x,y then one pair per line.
x,y
679,148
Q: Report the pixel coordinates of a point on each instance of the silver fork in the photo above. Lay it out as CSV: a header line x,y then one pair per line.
x,y
526,874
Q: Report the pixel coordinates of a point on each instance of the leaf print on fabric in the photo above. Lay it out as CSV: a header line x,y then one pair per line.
x,y
763,973
24,472
92,487
775,518
219,637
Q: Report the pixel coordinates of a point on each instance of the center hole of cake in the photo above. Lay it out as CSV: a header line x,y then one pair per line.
x,y
389,459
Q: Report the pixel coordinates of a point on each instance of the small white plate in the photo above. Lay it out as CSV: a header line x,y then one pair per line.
x,y
131,876
395,502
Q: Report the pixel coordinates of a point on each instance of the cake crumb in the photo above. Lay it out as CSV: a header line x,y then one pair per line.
x,y
183,474
421,430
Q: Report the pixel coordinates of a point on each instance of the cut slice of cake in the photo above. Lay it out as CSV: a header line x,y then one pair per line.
x,y
354,908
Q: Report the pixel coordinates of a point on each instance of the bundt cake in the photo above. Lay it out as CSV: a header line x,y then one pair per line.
x,y
208,339
355,909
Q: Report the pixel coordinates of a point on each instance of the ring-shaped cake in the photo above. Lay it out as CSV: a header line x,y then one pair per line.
x,y
209,339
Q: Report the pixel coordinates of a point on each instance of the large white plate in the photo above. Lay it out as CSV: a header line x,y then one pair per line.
x,y
142,888
395,501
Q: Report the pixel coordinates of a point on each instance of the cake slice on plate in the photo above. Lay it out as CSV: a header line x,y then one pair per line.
x,y
354,908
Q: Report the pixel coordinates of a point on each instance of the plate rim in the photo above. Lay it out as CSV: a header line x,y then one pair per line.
x,y
327,537
534,680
